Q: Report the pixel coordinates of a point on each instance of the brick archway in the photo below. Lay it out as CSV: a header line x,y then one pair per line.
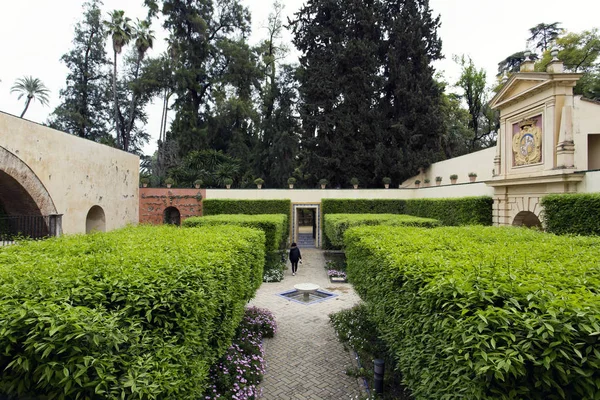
x,y
22,191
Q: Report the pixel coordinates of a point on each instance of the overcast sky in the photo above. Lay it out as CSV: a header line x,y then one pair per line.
x,y
34,34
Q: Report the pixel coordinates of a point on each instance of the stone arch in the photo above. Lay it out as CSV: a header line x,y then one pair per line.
x,y
95,220
22,191
172,216
527,219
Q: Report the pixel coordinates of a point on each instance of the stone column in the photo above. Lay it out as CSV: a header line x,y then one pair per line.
x,y
548,140
499,144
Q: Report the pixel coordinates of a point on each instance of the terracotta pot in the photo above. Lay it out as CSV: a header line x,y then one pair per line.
x,y
168,185
355,186
259,186
323,186
291,185
228,186
386,185
144,185
438,183
453,181
197,186
472,178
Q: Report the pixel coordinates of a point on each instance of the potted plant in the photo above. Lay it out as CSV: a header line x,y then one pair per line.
x,y
228,182
426,181
472,176
259,182
438,180
145,181
291,181
354,182
453,178
198,183
386,182
169,182
323,183
417,183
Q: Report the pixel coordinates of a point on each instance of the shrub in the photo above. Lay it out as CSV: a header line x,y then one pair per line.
x,y
482,312
145,180
577,214
362,206
259,181
228,181
323,181
472,174
417,182
169,181
453,176
452,212
274,226
137,313
438,178
335,225
291,180
459,211
426,180
251,207
387,180
198,182
354,181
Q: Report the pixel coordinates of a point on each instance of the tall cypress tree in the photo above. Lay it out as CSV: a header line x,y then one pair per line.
x,y
411,97
85,100
370,106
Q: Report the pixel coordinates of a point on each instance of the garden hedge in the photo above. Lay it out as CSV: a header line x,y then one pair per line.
x,y
251,207
482,312
362,206
334,225
273,225
572,213
139,313
451,212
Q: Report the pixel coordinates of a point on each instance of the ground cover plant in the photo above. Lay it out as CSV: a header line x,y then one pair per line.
x,y
138,313
483,312
239,371
577,214
334,225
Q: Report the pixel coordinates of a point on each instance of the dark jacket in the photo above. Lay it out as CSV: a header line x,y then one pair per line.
x,y
295,254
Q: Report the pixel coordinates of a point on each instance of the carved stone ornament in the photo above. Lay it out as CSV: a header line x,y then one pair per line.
x,y
527,142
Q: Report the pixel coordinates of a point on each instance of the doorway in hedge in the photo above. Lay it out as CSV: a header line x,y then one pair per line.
x,y
306,225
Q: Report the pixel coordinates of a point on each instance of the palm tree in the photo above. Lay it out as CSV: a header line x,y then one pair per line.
x,y
33,88
144,39
119,27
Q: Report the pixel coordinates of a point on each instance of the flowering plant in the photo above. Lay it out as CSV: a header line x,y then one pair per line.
x,y
237,374
336,273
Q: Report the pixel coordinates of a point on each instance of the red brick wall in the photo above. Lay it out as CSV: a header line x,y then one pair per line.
x,y
154,201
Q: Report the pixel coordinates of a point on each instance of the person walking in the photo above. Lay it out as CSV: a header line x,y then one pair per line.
x,y
295,257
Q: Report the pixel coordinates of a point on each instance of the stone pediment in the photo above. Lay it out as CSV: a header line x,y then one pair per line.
x,y
525,84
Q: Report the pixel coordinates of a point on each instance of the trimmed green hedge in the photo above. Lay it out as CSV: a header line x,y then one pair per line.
x,y
334,225
451,212
251,207
273,225
139,313
577,214
481,312
363,206
454,212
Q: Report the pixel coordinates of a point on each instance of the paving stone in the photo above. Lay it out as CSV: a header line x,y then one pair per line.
x,y
305,359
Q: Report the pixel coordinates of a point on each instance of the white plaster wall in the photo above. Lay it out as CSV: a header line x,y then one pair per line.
x,y
78,173
585,122
316,195
591,183
480,162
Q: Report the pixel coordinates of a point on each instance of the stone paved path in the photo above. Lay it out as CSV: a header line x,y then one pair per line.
x,y
305,359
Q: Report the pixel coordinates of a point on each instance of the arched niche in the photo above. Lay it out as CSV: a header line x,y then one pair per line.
x,y
95,220
527,219
172,216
